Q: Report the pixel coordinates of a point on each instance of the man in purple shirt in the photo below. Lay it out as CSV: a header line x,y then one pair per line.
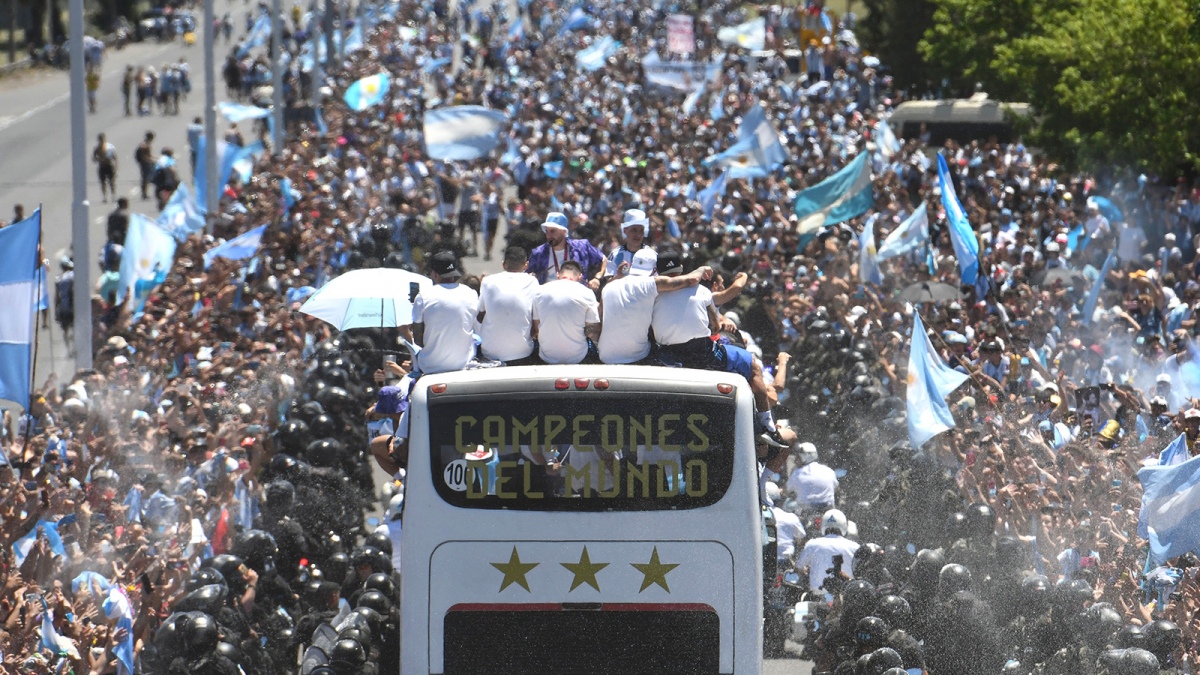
x,y
545,260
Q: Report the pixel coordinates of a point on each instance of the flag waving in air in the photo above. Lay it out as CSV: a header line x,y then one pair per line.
x,y
966,246
844,195
19,291
930,381
912,234
367,92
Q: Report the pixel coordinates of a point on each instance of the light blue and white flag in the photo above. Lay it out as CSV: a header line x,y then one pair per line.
x,y
59,645
289,194
553,169
966,245
758,150
681,75
751,36
576,20
182,215
433,65
117,606
868,266
240,112
1093,296
367,92
24,545
1107,209
19,265
241,159
716,110
930,381
1171,506
240,247
354,41
463,132
259,33
844,195
516,31
911,235
886,141
708,196
1175,453
594,57
94,582
149,254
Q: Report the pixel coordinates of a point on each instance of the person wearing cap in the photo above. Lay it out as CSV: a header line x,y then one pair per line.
x,y
814,484
1096,226
789,531
565,317
1161,423
634,229
628,308
546,260
1191,429
506,311
444,318
1053,259
684,320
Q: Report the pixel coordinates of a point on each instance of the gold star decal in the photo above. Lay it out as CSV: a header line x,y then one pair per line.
x,y
585,571
655,572
514,571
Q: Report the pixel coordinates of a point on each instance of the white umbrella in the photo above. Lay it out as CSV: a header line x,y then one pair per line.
x,y
380,297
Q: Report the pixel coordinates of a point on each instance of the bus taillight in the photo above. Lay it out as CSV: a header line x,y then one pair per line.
x,y
581,383
600,384
725,388
437,388
562,383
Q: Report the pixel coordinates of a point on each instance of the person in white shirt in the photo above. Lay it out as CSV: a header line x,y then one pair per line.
x,y
684,320
566,317
788,528
634,229
814,484
444,319
628,307
1096,225
506,311
818,554
1130,241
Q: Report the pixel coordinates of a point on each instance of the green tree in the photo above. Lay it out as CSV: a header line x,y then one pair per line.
x,y
1113,82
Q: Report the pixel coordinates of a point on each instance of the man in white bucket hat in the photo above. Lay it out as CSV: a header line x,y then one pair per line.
x,y
634,229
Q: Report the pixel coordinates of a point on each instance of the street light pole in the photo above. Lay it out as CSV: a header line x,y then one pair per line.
x,y
210,115
79,203
277,77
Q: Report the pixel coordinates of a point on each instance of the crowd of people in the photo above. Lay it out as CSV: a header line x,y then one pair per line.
x,y
171,507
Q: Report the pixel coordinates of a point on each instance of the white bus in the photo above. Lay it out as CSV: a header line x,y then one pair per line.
x,y
581,519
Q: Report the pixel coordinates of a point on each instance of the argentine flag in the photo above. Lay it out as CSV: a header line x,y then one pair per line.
x,y
966,246
912,234
238,112
758,150
751,36
1093,296
259,32
149,254
886,140
240,247
708,196
19,267
1170,509
576,20
463,132
182,215
844,195
868,265
594,57
367,92
930,381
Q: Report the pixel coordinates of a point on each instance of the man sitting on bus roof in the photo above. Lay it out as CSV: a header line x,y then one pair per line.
x,y
444,319
628,306
566,318
684,321
546,260
506,312
634,228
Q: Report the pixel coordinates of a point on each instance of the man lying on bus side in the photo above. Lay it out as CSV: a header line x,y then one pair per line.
x,y
684,321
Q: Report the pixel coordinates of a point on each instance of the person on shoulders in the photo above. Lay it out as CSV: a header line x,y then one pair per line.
x,y
634,229
506,311
566,317
546,260
444,319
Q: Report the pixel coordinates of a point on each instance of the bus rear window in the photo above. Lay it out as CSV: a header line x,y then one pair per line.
x,y
597,452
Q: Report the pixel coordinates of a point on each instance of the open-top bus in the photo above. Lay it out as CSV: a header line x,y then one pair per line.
x,y
581,519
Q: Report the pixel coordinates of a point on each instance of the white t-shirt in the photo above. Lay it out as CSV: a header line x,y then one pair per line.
x,y
788,531
628,308
562,309
817,556
682,315
448,312
814,484
507,299
1129,242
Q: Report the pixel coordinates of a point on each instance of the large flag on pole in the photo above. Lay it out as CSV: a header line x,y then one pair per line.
x,y
1171,506
844,195
19,289
912,234
367,92
148,256
966,246
930,381
757,151
462,132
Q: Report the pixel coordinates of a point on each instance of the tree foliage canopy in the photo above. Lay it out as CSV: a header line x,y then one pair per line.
x,y
1112,82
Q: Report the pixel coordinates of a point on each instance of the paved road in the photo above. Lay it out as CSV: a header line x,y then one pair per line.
x,y
36,146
